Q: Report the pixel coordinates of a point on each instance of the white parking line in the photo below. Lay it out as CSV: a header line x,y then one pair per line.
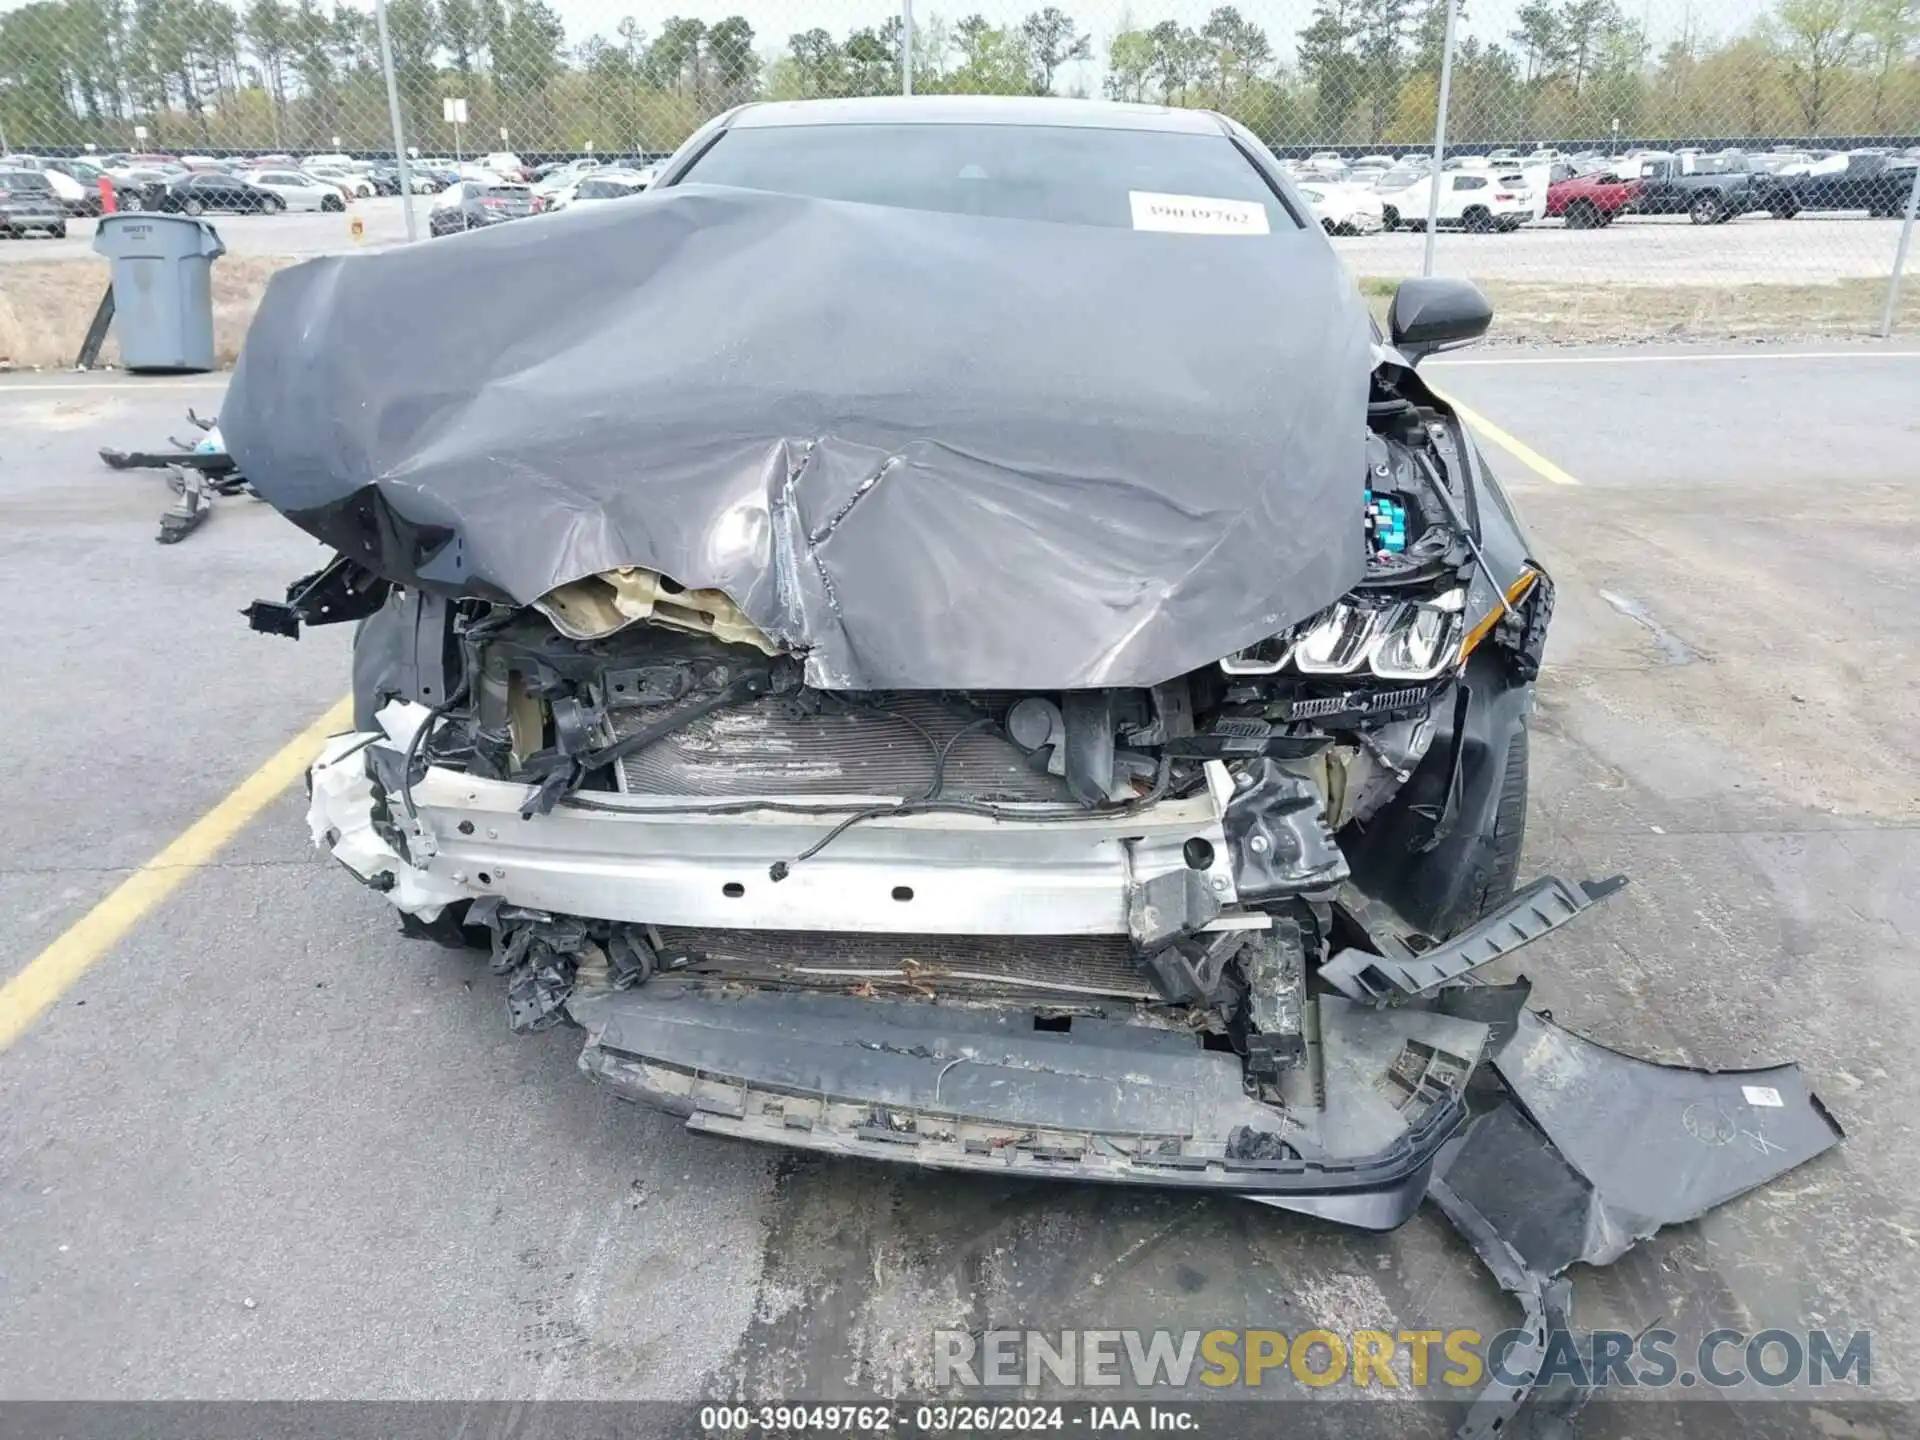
x,y
1487,360
53,386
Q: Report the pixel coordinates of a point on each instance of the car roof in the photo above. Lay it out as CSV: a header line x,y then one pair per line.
x,y
977,110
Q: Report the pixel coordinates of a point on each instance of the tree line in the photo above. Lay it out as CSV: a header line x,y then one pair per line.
x,y
292,74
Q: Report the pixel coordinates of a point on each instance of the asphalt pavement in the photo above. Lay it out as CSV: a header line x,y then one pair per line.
x,y
264,1147
1645,250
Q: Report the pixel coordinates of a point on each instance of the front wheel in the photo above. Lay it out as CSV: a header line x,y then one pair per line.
x,y
1581,215
272,205
58,232
332,203
1478,220
1389,218
194,207
1706,210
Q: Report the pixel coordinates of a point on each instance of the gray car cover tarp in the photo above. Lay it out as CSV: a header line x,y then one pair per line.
x,y
927,450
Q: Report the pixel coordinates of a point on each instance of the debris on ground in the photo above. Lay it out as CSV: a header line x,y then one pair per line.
x,y
197,471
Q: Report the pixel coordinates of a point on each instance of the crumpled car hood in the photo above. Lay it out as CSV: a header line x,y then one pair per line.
x,y
927,451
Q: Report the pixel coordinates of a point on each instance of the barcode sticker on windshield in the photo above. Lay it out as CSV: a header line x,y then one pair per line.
x,y
1763,1095
1197,214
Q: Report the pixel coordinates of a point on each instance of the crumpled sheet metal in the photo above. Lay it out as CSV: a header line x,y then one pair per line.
x,y
340,807
927,450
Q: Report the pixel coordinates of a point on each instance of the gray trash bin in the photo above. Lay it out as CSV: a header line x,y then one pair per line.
x,y
162,288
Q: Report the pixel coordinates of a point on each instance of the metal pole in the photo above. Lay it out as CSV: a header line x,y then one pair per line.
x,y
1900,257
1439,138
393,114
906,47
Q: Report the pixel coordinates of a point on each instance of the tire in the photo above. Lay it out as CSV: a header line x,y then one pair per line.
x,y
1329,227
1389,217
332,203
1509,829
1478,220
194,207
58,232
1583,215
1706,209
272,205
1786,211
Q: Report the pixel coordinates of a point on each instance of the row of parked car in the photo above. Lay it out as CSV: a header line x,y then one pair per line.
x,y
40,194
492,198
1505,190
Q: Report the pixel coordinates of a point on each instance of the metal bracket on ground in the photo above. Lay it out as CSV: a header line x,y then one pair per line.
x,y
1541,907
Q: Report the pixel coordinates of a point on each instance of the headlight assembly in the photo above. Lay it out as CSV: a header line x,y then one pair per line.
x,y
1408,640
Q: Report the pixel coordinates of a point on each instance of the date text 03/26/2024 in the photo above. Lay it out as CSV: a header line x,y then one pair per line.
x,y
945,1419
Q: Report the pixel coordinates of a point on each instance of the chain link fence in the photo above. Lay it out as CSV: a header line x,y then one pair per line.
x,y
1685,157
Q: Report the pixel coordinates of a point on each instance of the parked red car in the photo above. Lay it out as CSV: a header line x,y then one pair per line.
x,y
1589,201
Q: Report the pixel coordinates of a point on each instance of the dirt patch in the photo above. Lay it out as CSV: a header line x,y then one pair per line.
x,y
45,307
1547,312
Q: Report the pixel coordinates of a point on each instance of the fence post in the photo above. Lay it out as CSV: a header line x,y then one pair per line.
x,y
1439,137
393,114
1900,257
906,47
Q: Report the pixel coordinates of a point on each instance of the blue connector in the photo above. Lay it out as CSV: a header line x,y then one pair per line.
x,y
1386,524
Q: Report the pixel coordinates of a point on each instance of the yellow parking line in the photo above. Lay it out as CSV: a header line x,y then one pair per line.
x,y
1519,449
48,976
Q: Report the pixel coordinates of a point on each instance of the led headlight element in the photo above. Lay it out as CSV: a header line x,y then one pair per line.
x,y
1264,658
1420,640
1339,641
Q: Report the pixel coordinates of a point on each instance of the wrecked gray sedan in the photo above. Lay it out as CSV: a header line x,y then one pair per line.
x,y
943,633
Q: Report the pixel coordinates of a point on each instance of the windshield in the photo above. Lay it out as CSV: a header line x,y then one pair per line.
x,y
1717,164
1066,174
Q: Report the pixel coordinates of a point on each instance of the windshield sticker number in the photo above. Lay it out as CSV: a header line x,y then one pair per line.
x,y
1197,214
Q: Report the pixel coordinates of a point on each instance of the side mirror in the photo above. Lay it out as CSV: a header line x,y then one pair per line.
x,y
1433,314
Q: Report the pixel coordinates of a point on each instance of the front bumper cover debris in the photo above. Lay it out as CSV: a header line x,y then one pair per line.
x,y
1405,1079
1573,1153
1586,1152
990,1091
